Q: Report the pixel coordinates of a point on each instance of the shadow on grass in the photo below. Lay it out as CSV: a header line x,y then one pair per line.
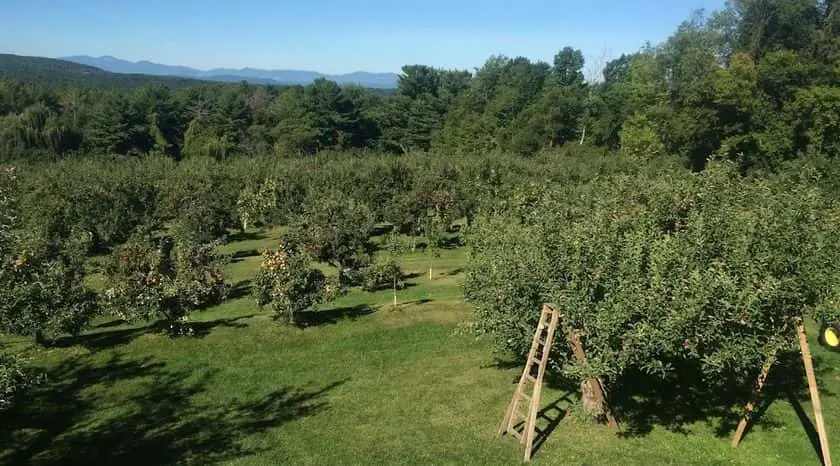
x,y
642,402
453,242
203,328
504,364
787,382
379,230
240,256
241,289
331,316
78,418
415,302
813,436
110,324
548,418
246,236
389,287
108,339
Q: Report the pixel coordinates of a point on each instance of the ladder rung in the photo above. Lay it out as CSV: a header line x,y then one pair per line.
x,y
536,361
530,378
541,341
515,434
525,395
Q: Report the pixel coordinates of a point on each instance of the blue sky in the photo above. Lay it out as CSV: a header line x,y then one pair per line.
x,y
334,36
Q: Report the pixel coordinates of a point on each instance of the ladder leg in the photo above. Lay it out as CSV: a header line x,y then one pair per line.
x,y
815,394
530,424
506,422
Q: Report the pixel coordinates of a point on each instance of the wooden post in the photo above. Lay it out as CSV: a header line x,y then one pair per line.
x,y
815,395
595,386
745,419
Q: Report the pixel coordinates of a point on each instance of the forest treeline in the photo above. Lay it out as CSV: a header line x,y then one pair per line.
x,y
755,82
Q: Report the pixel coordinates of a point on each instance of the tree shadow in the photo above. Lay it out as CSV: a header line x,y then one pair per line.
x,y
454,228
453,242
504,364
241,289
389,287
98,341
415,302
413,275
810,430
454,272
787,381
201,329
240,256
110,324
157,421
641,401
331,316
381,229
246,236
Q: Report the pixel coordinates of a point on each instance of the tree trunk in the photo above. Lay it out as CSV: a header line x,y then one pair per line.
x,y
39,338
244,226
591,399
583,136
395,291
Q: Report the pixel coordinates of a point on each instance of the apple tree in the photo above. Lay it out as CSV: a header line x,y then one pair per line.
x,y
289,283
167,279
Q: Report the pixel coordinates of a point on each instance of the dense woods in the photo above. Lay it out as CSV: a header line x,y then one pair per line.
x,y
755,83
680,209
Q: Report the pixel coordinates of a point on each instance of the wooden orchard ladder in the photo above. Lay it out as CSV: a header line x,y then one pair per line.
x,y
812,388
537,360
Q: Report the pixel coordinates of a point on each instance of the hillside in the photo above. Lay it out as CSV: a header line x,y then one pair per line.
x,y
252,75
62,72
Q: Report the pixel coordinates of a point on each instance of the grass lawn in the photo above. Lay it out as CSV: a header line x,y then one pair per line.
x,y
357,383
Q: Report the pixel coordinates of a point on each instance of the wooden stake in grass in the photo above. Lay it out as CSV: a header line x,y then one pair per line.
x,y
815,395
395,291
745,419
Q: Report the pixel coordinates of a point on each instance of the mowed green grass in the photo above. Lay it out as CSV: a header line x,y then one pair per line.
x,y
358,383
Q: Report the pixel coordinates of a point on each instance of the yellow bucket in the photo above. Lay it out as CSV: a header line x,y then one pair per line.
x,y
831,337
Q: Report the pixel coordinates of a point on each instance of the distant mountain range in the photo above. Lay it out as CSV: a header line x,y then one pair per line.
x,y
50,70
252,75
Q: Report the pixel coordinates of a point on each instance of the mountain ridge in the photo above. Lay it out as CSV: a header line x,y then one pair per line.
x,y
56,71
256,75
